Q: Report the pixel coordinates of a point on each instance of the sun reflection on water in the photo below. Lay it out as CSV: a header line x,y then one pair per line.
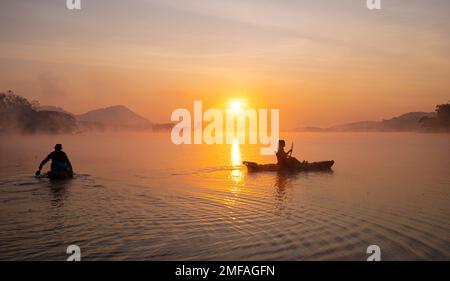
x,y
236,174
236,177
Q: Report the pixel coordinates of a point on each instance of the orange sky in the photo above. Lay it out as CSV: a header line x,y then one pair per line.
x,y
321,63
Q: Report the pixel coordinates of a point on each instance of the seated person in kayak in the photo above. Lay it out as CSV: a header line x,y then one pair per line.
x,y
285,159
60,161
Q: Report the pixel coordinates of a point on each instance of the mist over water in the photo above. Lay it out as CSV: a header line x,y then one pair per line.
x,y
136,196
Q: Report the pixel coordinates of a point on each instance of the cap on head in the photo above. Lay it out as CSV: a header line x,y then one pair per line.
x,y
281,143
58,146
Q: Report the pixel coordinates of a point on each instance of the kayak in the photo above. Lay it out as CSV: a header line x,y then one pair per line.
x,y
303,167
59,174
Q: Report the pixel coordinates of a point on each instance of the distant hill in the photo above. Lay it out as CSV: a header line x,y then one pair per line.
x,y
406,122
18,115
116,117
53,122
52,108
358,126
159,127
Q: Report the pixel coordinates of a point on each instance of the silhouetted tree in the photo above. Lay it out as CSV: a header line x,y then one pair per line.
x,y
16,113
19,115
10,101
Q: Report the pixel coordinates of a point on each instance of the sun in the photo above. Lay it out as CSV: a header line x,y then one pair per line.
x,y
236,106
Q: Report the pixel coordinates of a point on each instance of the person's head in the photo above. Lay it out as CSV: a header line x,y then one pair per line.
x,y
281,144
58,147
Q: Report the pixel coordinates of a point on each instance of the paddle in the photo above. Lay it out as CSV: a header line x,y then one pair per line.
x,y
292,148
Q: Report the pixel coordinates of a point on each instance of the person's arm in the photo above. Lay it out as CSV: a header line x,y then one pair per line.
x,y
281,156
68,161
45,161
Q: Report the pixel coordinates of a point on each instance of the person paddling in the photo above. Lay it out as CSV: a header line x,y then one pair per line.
x,y
60,161
285,159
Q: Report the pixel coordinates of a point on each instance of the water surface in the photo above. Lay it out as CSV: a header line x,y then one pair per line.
x,y
136,196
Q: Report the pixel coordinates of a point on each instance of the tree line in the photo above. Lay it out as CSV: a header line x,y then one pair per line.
x,y
18,115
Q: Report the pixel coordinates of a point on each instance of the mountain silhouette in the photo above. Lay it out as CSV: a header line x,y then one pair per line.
x,y
18,115
53,109
116,117
406,122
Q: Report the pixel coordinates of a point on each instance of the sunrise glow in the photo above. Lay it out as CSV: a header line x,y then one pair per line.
x,y
236,106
